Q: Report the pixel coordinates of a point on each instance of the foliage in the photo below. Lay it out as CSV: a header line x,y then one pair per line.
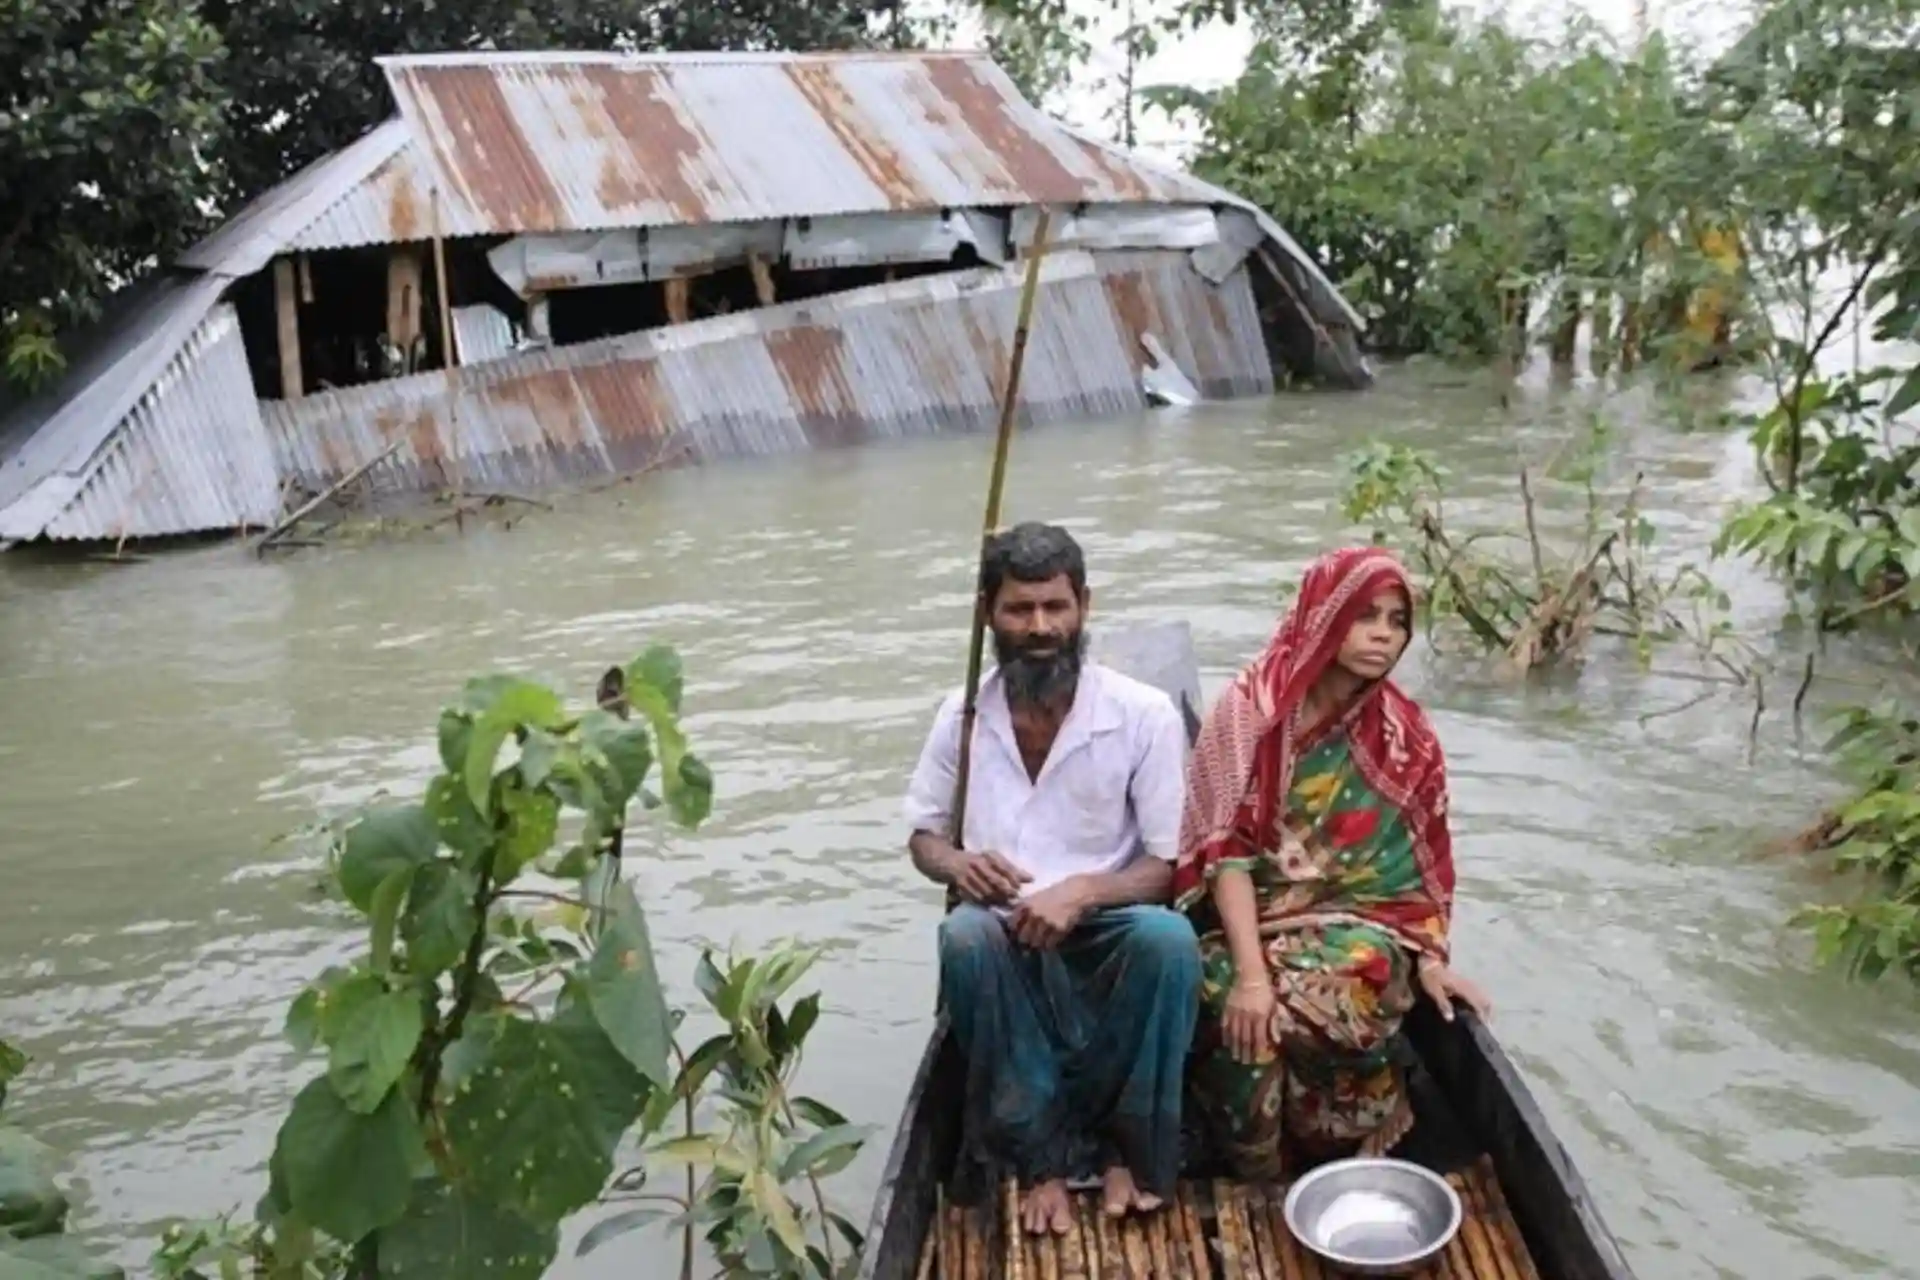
x,y
1825,96
1877,835
1829,100
1516,596
1451,173
111,115
33,1210
1037,42
500,1040
764,1138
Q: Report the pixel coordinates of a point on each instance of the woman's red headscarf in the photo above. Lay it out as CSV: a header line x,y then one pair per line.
x,y
1242,765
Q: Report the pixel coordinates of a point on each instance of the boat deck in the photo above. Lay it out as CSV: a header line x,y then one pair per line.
x,y
1214,1231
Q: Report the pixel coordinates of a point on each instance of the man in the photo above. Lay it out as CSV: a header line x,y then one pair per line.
x,y
1071,990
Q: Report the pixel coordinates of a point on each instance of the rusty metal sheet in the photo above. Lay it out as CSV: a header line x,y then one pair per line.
x,y
575,142
190,455
329,204
910,358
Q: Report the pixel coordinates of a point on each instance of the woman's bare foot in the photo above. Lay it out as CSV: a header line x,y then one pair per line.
x,y
1047,1208
1122,1194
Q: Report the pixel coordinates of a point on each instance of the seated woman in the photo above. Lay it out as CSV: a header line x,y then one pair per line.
x,y
1316,864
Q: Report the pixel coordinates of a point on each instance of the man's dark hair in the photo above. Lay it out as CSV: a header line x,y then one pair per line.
x,y
1032,552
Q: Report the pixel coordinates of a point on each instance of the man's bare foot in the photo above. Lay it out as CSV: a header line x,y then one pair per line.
x,y
1123,1195
1047,1208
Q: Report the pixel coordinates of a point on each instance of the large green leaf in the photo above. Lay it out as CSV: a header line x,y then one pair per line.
x,y
533,819
503,704
623,988
455,734
31,1202
541,1108
624,752
615,1225
825,1153
370,1033
658,668
385,840
12,1063
459,824
685,781
448,1232
440,917
348,1174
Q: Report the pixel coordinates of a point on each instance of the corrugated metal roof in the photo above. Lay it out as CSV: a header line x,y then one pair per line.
x,y
1329,306
112,367
910,358
190,455
577,142
348,198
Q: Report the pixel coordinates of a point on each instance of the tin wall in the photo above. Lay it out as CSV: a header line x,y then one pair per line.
x,y
910,358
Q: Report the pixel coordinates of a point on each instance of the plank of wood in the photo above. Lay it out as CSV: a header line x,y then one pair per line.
x,y
1199,1257
929,1252
1222,1231
1506,1229
286,307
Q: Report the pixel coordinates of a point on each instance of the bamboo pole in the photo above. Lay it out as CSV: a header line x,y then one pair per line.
x,y
996,484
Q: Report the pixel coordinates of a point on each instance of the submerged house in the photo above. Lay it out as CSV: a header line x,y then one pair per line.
x,y
653,258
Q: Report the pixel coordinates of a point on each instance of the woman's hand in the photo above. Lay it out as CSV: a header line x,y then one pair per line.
x,y
1246,1025
1443,986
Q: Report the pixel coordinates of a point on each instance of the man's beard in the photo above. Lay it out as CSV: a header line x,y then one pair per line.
x,y
1039,679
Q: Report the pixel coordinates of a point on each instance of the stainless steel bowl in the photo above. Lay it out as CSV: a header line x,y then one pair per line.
x,y
1373,1217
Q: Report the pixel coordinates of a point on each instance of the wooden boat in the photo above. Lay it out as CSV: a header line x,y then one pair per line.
x,y
1529,1215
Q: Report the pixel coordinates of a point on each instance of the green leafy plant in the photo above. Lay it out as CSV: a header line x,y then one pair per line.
x,y
506,1030
1516,596
1875,836
33,1209
763,1139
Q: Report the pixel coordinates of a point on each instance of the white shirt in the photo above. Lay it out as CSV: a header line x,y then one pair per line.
x,y
1112,785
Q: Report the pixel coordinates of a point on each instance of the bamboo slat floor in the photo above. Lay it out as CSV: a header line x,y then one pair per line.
x,y
1213,1231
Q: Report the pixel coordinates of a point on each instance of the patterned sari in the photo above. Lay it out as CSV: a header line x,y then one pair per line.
x,y
1344,836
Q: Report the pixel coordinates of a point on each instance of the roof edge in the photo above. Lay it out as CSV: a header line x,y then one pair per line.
x,y
1274,231
614,57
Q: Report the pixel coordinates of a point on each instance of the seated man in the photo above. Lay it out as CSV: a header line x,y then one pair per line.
x,y
1071,990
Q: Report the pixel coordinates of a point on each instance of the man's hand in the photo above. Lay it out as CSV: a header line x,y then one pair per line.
x,y
986,878
1043,920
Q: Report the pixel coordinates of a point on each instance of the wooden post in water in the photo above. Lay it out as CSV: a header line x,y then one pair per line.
x,y
996,483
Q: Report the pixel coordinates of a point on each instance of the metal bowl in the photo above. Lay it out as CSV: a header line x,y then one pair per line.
x,y
1373,1217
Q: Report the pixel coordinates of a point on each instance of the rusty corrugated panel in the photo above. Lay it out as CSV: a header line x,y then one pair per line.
x,y
906,359
191,455
1211,331
338,201
574,142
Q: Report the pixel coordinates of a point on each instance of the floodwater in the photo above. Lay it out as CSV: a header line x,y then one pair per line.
x,y
1736,1113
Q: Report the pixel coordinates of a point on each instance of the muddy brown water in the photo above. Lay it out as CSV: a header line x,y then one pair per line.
x,y
1736,1113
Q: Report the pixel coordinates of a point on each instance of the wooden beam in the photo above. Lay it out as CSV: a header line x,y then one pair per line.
x,y
286,306
679,300
448,346
404,276
762,278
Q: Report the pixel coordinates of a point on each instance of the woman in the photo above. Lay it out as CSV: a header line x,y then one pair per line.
x,y
1315,860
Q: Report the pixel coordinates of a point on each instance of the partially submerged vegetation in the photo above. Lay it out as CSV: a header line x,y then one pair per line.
x,y
33,1209
1796,147
505,1042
